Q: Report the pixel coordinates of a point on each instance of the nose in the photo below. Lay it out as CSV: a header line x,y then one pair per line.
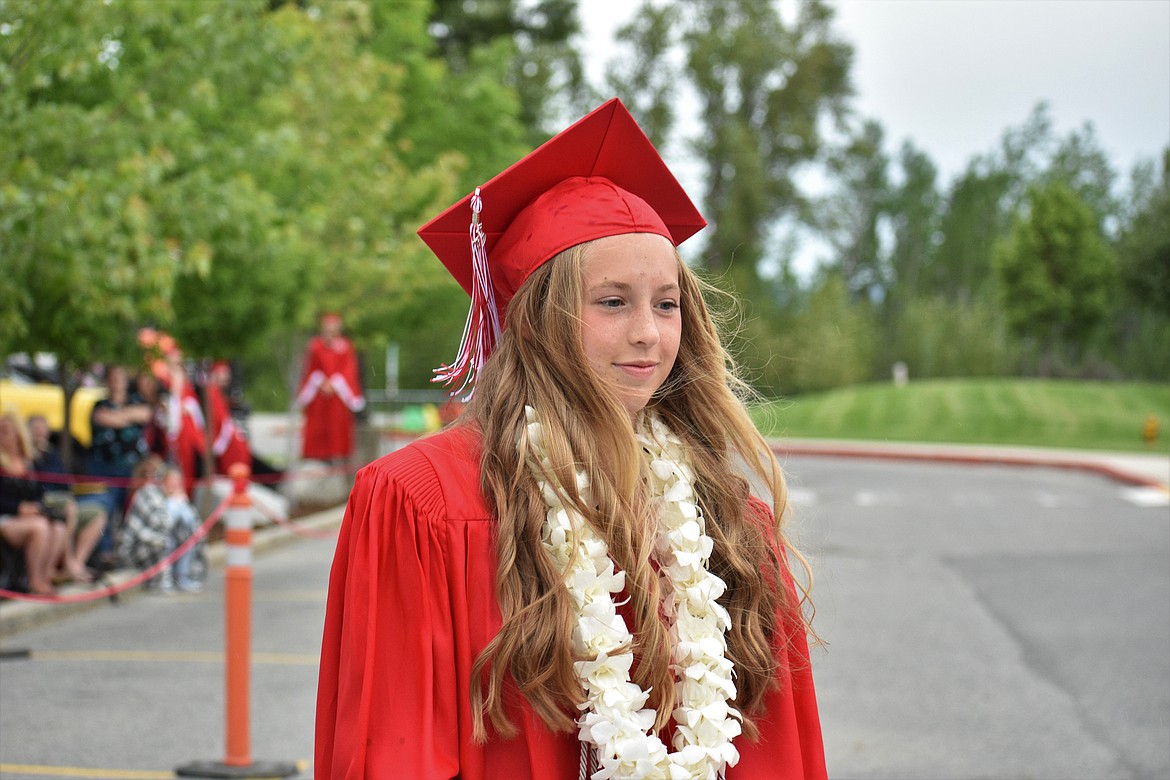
x,y
644,326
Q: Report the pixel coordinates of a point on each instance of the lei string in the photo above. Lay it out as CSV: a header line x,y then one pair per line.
x,y
614,719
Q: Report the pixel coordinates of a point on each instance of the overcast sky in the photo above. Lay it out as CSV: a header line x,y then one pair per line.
x,y
952,75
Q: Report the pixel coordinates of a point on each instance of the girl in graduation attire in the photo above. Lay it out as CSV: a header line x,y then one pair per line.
x,y
574,579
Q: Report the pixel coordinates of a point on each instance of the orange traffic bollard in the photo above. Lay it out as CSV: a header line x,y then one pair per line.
x,y
238,620
237,760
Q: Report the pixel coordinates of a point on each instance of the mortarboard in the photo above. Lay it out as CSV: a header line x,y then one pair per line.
x,y
599,177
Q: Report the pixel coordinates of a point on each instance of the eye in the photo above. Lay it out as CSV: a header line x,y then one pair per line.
x,y
668,306
610,303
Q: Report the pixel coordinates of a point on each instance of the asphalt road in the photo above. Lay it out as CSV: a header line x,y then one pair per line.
x,y
987,622
983,621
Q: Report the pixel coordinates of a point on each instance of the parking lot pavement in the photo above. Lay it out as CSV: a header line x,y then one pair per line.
x,y
135,689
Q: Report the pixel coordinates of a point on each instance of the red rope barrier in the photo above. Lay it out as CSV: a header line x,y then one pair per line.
x,y
191,541
137,579
96,480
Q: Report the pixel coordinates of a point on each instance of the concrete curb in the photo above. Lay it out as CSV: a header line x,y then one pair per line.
x,y
1148,471
16,616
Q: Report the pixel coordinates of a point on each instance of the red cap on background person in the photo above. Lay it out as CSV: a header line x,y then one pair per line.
x,y
600,177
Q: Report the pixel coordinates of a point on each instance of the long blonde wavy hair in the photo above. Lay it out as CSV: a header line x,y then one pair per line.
x,y
16,462
540,362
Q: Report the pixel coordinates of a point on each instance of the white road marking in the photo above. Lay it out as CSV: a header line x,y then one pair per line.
x,y
1146,496
802,496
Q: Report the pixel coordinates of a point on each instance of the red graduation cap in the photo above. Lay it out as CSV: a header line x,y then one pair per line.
x,y
599,177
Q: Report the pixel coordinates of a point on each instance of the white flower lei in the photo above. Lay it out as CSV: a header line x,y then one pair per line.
x,y
614,719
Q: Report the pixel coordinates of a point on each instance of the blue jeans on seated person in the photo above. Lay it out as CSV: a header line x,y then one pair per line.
x,y
186,521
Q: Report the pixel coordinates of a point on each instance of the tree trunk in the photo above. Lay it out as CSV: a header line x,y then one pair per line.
x,y
68,388
207,504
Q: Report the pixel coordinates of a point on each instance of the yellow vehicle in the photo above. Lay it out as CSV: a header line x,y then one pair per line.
x,y
48,400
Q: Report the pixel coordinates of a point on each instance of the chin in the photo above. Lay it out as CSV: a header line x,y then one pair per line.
x,y
635,405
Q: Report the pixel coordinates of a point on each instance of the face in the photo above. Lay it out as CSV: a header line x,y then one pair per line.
x,y
147,385
9,438
38,430
172,482
330,327
630,318
117,382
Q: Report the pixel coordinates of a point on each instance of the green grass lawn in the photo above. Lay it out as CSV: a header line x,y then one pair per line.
x,y
1032,412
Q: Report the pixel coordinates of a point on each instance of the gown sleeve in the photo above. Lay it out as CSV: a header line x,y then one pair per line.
x,y
312,375
387,689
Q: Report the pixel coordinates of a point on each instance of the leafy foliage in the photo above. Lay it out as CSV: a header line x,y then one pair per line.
x,y
1059,277
226,171
826,342
853,216
1146,246
764,86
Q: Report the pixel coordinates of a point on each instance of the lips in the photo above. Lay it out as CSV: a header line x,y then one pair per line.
x,y
638,369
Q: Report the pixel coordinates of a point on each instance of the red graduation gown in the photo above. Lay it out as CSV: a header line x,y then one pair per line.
x,y
412,603
228,442
186,440
329,423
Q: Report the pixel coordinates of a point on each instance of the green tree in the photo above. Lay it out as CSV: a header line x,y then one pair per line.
x,y
647,79
532,40
1057,273
980,204
1145,245
453,124
936,337
1143,321
854,213
224,171
765,88
914,209
1081,163
827,342
125,158
976,213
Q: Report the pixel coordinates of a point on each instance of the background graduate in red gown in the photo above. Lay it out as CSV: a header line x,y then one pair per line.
x,y
574,578
186,427
228,442
330,394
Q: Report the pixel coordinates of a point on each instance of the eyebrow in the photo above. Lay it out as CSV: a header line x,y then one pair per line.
x,y
624,286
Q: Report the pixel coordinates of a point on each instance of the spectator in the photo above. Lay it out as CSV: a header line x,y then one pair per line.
x,y
24,522
84,516
330,393
147,390
119,443
184,522
152,533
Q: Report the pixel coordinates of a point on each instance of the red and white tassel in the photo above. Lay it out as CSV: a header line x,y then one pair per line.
x,y
482,330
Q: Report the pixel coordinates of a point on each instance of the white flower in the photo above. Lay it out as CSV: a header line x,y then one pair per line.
x,y
614,718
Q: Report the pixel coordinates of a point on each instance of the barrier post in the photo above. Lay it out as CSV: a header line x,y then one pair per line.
x,y
237,760
238,619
